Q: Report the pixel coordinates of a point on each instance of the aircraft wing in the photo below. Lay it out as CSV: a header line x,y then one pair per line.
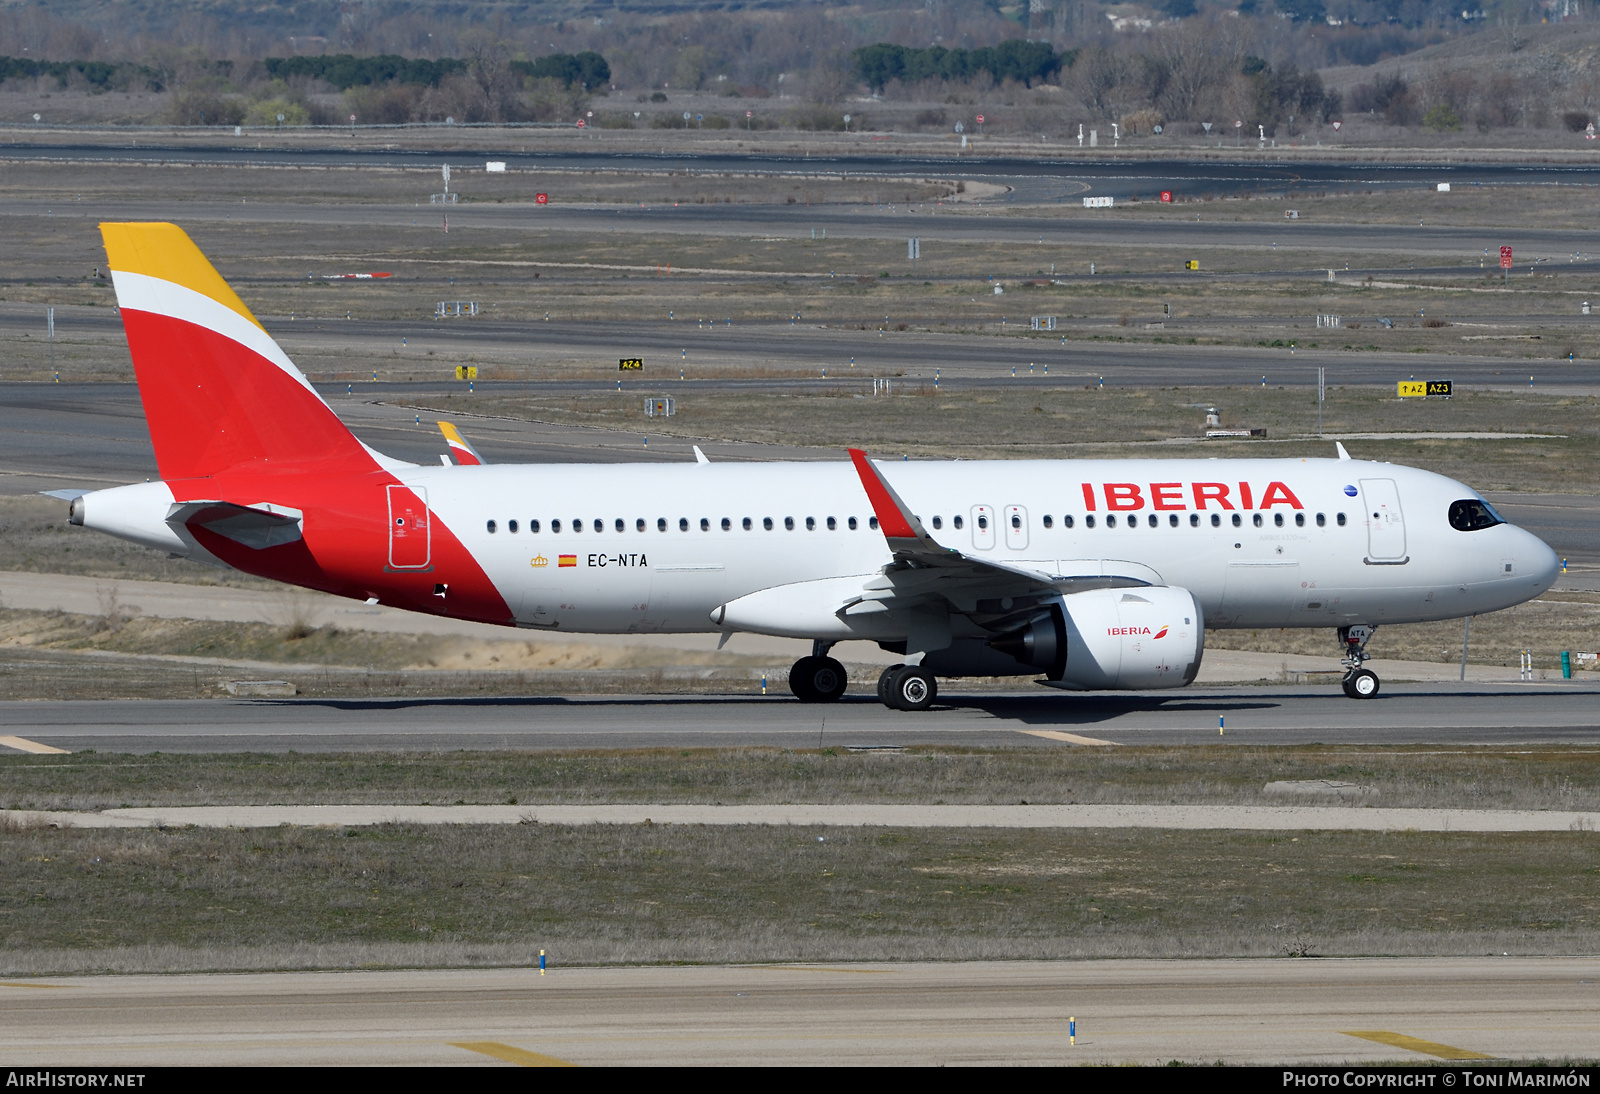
x,y
925,571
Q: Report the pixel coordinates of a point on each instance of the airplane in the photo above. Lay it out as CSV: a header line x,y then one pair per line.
x,y
1088,574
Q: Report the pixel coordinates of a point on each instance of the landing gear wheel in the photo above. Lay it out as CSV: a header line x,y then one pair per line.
x,y
1361,684
886,684
817,679
800,679
914,689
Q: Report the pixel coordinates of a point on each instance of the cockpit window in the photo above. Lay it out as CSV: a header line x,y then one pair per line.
x,y
1473,515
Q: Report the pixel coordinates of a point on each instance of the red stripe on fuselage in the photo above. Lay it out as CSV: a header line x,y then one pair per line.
x,y
345,544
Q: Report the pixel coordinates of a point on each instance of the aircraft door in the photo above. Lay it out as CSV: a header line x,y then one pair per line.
x,y
1386,526
982,527
410,533
1016,527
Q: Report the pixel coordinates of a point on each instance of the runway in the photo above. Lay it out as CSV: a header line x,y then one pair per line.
x,y
1312,1012
1472,714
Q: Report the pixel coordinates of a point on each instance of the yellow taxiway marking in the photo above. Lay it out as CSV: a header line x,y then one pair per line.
x,y
1070,738
1416,1044
22,744
512,1055
22,984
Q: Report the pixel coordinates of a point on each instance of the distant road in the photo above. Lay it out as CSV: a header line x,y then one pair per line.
x,y
1109,176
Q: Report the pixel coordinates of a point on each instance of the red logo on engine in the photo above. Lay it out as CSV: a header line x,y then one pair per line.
x,y
1162,633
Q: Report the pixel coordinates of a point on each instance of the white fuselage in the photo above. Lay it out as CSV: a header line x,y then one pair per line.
x,y
1317,543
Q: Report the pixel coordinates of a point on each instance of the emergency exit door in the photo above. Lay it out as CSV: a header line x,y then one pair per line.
x,y
410,534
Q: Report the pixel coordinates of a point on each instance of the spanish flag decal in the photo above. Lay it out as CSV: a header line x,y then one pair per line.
x,y
568,560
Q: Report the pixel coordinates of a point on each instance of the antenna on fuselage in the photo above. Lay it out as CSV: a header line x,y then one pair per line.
x,y
699,456
1343,455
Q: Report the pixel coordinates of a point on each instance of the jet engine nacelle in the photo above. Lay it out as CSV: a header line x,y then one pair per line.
x,y
1149,637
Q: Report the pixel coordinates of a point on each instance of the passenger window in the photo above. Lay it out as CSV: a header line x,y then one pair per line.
x,y
746,523
957,522
600,525
766,522
1066,521
1237,520
1216,520
638,525
661,524
1277,519
788,524
1340,520
577,526
533,526
1322,520
705,524
1194,520
683,524
1299,520
1088,521
851,524
937,524
811,524
1016,521
511,526
621,525
1256,520
555,526
1153,522
1111,521
983,524
872,522
490,526
727,525
1049,521
1172,520
833,525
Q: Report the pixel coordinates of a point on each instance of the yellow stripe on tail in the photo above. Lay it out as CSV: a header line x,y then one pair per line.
x,y
166,252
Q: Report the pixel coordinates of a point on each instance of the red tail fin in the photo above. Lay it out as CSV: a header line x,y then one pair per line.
x,y
217,390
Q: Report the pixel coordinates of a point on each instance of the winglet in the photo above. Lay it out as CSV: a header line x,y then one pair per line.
x,y
1343,455
464,453
699,456
902,529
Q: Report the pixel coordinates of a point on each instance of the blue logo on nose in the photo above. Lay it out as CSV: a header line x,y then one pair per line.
x,y
1350,490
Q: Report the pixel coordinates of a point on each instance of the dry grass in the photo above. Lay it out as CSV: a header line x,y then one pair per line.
x,y
1485,778
100,900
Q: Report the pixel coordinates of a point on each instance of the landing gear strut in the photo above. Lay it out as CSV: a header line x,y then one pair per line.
x,y
818,678
1358,683
907,687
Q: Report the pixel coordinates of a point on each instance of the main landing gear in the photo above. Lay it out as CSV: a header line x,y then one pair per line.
x,y
818,678
1359,683
907,687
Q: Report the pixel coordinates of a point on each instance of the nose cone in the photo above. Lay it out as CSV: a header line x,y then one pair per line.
x,y
1537,563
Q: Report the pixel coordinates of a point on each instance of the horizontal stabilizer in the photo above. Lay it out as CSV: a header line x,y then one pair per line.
x,y
67,495
255,526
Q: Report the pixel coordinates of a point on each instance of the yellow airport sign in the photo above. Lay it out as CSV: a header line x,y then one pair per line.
x,y
1192,264
1413,389
466,372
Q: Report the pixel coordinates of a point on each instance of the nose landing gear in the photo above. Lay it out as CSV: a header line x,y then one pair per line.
x,y
1358,683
